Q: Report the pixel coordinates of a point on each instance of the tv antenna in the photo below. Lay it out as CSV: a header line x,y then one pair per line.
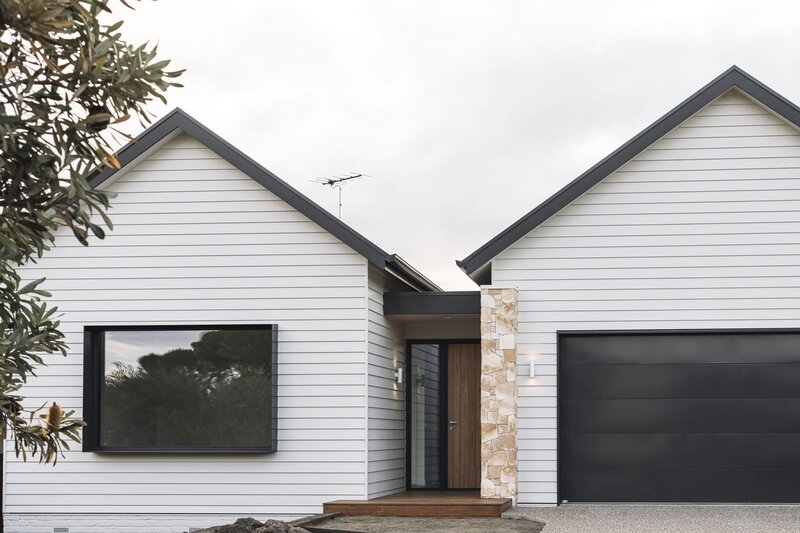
x,y
337,182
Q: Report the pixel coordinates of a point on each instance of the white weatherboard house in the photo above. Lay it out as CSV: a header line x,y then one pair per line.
x,y
237,351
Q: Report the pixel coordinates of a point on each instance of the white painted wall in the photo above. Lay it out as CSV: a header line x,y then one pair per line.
x,y
197,241
702,230
387,405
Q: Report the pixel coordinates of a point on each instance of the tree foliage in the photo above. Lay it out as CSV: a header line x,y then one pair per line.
x,y
67,78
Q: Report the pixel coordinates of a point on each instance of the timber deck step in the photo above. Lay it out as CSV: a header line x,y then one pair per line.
x,y
446,504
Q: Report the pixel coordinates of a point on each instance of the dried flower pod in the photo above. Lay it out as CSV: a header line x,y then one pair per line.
x,y
54,417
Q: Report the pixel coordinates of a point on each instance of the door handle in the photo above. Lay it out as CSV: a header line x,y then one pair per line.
x,y
452,425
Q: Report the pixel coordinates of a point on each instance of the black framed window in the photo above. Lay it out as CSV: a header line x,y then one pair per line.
x,y
180,388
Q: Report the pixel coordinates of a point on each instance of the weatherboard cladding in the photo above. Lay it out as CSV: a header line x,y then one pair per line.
x,y
698,231
196,240
476,264
386,424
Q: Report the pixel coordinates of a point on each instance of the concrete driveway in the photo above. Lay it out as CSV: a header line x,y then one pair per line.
x,y
575,518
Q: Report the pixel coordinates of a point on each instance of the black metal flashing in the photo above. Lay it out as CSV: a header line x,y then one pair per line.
x,y
412,277
178,119
475,264
432,303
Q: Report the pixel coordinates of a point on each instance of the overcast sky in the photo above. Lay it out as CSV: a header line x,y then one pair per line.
x,y
466,114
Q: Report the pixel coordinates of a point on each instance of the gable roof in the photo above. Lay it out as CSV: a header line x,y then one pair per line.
x,y
178,119
476,265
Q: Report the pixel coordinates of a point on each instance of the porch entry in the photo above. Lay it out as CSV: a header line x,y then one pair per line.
x,y
443,418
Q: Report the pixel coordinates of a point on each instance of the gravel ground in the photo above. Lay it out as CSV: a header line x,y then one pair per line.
x,y
576,518
397,524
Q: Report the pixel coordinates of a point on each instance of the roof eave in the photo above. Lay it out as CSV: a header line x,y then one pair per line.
x,y
420,280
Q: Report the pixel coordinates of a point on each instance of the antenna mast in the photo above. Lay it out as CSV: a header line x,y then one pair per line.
x,y
337,182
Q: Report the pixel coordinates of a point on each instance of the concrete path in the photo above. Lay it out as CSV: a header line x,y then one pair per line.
x,y
402,524
576,518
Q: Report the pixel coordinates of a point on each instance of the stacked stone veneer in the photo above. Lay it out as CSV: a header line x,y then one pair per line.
x,y
498,393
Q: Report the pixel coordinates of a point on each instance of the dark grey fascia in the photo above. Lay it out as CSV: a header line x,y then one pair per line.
x,y
432,303
410,275
476,265
180,120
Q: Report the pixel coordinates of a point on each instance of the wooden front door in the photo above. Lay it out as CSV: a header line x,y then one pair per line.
x,y
463,416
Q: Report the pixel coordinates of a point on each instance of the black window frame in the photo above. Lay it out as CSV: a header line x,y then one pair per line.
x,y
94,371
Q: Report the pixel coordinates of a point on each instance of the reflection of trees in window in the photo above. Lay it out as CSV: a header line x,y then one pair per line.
x,y
215,394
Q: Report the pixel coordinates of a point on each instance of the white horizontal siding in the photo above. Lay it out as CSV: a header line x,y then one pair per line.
x,y
196,241
701,230
121,522
386,352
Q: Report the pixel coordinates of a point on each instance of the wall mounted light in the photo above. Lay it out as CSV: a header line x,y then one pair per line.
x,y
531,370
398,375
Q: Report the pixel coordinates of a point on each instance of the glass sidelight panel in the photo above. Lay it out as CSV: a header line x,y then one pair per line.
x,y
425,436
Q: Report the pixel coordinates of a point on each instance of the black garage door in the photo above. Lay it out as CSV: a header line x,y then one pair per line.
x,y
679,417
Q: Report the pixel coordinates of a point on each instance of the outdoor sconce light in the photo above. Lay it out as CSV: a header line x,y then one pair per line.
x,y
398,375
531,370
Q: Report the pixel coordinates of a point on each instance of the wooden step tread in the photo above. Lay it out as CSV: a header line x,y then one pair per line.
x,y
444,504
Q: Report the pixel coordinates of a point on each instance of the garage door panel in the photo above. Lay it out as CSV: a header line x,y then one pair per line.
x,y
774,450
736,380
776,485
679,416
748,415
759,347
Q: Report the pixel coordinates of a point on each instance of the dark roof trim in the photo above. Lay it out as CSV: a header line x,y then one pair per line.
x,y
180,120
733,77
410,275
432,303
